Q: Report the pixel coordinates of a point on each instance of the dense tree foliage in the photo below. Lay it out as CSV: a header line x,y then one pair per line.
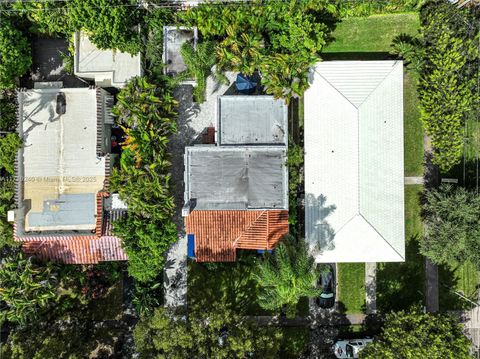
x,y
110,24
285,277
419,335
452,218
280,39
448,79
205,333
199,62
69,329
15,53
26,288
146,112
9,145
46,17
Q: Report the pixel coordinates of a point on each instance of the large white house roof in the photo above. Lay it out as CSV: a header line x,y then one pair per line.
x,y
354,180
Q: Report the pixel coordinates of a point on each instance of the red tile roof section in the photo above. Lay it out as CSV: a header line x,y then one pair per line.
x,y
219,233
81,250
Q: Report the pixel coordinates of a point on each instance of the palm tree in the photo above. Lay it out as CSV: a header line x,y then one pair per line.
x,y
285,277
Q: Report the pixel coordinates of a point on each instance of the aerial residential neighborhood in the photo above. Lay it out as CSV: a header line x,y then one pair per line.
x,y
239,179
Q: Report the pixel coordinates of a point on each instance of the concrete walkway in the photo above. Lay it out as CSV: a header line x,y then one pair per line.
x,y
331,319
175,275
371,287
431,269
414,180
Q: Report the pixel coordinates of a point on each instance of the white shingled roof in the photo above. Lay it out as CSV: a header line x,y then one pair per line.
x,y
354,162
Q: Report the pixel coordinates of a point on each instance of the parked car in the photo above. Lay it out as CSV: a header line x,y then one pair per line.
x,y
327,283
350,348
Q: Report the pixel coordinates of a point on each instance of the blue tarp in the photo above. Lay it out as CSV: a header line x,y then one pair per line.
x,y
244,84
262,251
191,246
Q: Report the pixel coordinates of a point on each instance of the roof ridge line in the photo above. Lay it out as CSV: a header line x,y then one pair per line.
x,y
345,97
234,244
373,227
378,85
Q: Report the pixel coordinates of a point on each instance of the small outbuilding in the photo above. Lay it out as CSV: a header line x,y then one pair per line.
x,y
108,68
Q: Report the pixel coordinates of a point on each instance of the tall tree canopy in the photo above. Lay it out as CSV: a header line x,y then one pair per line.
x,y
110,24
448,78
281,39
285,277
452,218
205,333
26,288
15,53
412,335
146,112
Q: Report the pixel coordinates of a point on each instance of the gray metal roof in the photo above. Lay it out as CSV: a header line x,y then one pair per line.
x,y
222,178
252,120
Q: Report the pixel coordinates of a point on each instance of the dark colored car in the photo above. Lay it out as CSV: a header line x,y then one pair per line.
x,y
61,104
326,283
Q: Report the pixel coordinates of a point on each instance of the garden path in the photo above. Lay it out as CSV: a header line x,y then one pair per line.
x,y
371,287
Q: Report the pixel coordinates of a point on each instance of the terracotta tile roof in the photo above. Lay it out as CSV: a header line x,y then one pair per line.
x,y
76,250
219,233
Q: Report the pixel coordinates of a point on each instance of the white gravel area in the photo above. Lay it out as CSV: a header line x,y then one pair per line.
x,y
193,119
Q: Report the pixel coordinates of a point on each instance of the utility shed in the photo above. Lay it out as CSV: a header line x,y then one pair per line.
x,y
354,179
240,178
109,68
252,120
58,170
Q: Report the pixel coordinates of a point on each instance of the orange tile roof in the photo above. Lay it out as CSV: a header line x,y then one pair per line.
x,y
76,250
219,233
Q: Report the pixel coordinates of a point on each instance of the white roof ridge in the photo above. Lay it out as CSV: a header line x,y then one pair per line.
x,y
381,235
336,89
380,83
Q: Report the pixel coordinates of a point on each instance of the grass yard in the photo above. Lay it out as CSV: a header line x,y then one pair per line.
x,y
413,130
371,38
351,287
371,34
462,279
399,285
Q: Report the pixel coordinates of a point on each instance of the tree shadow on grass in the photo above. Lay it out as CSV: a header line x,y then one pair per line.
x,y
330,56
231,283
401,285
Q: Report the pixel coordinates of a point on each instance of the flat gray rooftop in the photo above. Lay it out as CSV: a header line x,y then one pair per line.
x,y
252,120
59,170
223,178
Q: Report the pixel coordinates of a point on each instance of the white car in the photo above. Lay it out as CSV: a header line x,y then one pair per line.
x,y
350,348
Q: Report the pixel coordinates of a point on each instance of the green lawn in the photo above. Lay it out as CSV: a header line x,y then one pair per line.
x,y
399,285
351,287
371,38
462,279
373,33
472,147
413,130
